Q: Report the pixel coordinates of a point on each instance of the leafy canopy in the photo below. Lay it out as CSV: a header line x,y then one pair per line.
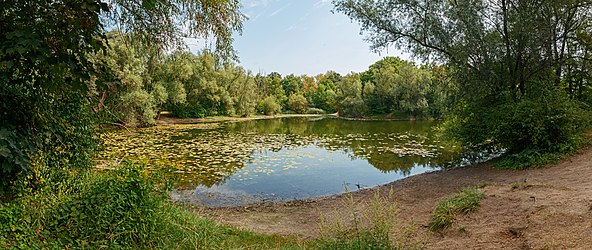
x,y
47,68
508,57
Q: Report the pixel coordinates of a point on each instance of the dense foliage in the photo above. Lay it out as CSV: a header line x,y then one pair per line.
x,y
121,209
521,66
143,82
43,75
512,74
54,72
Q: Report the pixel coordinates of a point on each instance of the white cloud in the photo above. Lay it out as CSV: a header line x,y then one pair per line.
x,y
321,3
279,10
257,3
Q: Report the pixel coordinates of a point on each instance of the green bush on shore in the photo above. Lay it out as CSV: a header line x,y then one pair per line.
x,y
121,209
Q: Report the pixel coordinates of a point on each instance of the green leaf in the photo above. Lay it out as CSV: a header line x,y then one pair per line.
x,y
149,4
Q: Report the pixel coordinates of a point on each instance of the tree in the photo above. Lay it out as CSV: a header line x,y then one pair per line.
x,y
350,95
292,84
324,97
127,98
442,91
395,85
297,103
276,88
46,71
269,106
508,56
158,21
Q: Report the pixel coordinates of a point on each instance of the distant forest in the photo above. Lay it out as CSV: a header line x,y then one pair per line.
x,y
142,81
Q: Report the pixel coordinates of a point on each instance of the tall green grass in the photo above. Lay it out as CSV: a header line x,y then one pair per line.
x,y
446,211
374,227
128,208
122,209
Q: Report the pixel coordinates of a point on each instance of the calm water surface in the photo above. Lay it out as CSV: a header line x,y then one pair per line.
x,y
236,163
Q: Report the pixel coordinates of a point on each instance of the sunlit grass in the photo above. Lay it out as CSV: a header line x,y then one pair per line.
x,y
446,211
371,225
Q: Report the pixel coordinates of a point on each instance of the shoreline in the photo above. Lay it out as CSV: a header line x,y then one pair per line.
x,y
166,119
560,212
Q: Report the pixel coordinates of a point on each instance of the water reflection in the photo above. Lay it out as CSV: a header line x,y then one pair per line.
x,y
285,158
297,173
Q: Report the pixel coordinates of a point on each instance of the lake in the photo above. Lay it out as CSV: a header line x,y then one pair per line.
x,y
238,163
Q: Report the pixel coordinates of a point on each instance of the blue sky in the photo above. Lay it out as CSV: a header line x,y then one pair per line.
x,y
301,37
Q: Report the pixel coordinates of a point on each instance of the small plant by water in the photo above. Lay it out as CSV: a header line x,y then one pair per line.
x,y
373,225
446,211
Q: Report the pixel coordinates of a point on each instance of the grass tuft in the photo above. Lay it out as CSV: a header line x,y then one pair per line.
x,y
446,211
373,225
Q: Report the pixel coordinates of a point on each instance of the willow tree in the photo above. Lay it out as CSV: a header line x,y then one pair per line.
x,y
46,48
509,58
166,22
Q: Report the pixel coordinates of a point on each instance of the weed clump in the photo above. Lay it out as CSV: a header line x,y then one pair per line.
x,y
371,228
446,211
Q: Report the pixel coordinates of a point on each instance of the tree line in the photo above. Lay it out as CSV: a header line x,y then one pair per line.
x,y
522,67
138,82
506,74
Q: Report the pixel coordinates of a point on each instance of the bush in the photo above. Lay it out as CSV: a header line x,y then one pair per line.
x,y
139,109
46,67
541,124
57,136
297,103
445,213
315,111
116,209
120,209
269,106
188,111
353,107
534,130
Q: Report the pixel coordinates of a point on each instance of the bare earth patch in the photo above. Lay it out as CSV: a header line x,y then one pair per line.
x,y
544,208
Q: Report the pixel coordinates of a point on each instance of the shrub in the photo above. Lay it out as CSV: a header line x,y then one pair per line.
x,y
188,111
353,107
297,103
541,124
445,213
59,138
269,106
139,109
533,130
315,111
122,207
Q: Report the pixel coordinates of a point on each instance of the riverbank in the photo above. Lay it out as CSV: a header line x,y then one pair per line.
x,y
543,208
166,119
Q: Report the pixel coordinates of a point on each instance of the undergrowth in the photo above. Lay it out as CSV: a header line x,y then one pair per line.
x,y
537,158
121,209
446,211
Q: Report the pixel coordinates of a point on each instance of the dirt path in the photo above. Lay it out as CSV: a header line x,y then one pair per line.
x,y
548,208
